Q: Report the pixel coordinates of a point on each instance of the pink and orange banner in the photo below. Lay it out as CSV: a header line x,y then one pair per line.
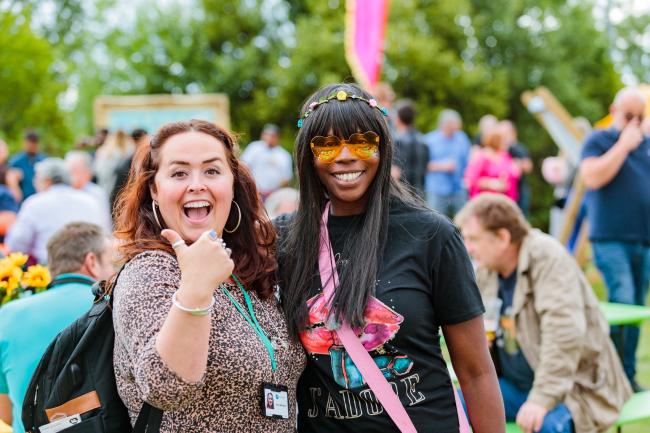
x,y
364,39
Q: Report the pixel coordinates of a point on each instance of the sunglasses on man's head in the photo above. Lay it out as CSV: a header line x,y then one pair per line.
x,y
362,144
630,116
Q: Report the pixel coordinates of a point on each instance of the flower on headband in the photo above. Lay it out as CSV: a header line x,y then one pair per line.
x,y
341,95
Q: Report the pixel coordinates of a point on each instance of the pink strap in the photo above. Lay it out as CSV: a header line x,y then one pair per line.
x,y
360,356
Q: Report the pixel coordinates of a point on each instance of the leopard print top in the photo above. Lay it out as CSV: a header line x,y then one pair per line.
x,y
227,399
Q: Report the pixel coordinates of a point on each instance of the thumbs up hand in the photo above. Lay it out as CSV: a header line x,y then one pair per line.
x,y
204,265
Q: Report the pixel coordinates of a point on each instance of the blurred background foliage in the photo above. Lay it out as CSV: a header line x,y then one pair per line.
x,y
476,56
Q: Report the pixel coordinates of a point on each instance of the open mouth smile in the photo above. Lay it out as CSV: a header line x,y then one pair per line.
x,y
197,211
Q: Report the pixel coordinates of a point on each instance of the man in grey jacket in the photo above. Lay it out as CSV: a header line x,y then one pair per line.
x,y
558,369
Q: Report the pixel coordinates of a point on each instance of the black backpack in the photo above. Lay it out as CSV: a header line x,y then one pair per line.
x,y
75,376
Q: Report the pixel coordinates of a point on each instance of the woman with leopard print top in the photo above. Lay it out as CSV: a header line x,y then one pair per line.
x,y
198,331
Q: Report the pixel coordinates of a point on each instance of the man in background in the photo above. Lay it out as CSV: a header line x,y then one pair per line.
x,y
55,204
80,254
615,168
80,166
25,162
448,156
411,155
269,163
558,369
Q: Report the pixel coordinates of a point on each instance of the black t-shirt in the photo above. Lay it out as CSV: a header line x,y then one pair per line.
x,y
513,364
426,280
411,156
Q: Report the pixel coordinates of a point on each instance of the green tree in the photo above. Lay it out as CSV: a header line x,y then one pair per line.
x,y
475,56
30,85
633,46
219,46
423,61
427,61
553,43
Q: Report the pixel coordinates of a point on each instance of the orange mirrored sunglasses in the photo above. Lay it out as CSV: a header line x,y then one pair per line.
x,y
362,144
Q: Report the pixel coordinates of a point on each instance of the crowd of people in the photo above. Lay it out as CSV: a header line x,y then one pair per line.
x,y
243,304
447,168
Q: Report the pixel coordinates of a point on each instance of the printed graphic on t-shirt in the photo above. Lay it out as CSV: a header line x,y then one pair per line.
x,y
381,325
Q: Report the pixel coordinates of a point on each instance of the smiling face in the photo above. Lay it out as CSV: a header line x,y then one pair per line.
x,y
347,180
193,185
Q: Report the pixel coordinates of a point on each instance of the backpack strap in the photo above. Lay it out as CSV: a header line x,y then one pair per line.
x,y
66,280
149,419
103,290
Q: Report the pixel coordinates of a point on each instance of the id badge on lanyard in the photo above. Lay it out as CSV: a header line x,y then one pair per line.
x,y
275,401
274,397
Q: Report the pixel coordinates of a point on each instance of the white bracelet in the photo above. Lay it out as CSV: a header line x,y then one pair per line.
x,y
193,311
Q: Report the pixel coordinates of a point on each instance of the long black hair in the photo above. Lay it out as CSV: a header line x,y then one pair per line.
x,y
364,245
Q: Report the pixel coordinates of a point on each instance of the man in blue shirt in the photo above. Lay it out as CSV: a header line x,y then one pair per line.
x,y
616,169
448,154
25,162
80,253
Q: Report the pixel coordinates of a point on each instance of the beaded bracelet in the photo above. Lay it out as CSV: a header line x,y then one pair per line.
x,y
193,311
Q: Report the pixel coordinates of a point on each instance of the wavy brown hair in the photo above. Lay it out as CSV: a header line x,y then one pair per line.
x,y
252,244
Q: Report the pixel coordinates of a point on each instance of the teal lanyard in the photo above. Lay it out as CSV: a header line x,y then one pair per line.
x,y
251,319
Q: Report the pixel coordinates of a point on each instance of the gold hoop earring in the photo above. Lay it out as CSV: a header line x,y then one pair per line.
x,y
238,220
155,215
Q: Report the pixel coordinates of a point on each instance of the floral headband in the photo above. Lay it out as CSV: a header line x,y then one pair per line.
x,y
341,95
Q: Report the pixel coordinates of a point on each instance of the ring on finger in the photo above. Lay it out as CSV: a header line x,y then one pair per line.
x,y
213,235
178,243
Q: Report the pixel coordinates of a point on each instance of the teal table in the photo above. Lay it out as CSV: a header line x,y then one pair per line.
x,y
635,410
624,314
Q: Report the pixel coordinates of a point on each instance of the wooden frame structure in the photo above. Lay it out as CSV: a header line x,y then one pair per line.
x,y
151,111
563,130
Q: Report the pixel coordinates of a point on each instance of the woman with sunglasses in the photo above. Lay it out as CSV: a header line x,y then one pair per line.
x,y
403,274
